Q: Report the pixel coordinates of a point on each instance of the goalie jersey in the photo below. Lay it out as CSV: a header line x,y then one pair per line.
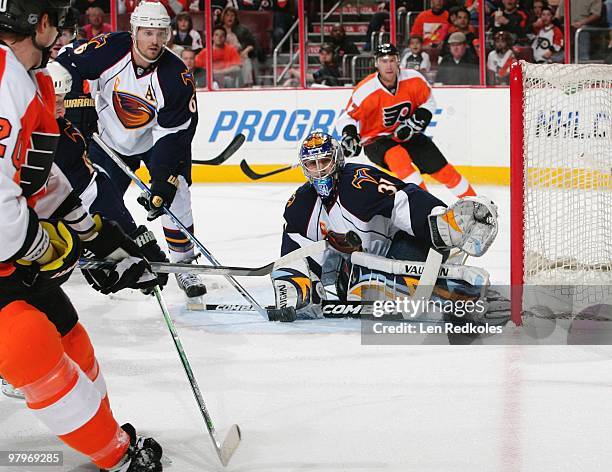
x,y
369,202
138,109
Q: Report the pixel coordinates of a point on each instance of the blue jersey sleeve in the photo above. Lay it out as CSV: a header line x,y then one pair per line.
x,y
176,120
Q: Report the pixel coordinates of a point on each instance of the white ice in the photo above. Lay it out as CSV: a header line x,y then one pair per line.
x,y
308,396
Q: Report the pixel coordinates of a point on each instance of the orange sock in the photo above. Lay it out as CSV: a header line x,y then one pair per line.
x,y
32,358
399,162
454,181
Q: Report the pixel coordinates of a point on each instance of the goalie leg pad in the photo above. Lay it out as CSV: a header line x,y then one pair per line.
x,y
295,286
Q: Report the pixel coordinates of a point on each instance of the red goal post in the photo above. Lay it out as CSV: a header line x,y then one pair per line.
x,y
561,181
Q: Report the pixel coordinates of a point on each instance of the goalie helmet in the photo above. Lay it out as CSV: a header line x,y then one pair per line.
x,y
149,14
22,16
62,80
321,160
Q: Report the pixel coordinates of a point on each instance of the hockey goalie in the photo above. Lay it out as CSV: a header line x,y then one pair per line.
x,y
380,231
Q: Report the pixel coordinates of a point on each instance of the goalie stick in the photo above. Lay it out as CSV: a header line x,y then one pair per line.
x,y
228,152
251,174
171,268
226,449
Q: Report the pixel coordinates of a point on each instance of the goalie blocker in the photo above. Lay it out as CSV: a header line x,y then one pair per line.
x,y
392,219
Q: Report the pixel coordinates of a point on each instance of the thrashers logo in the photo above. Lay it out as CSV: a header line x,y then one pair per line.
x,y
133,111
361,176
396,113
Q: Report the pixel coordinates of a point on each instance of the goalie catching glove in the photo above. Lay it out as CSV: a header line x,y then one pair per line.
x,y
131,269
414,124
162,195
470,224
350,142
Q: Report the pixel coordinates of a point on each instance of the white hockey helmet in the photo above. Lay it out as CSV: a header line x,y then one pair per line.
x,y
62,80
150,14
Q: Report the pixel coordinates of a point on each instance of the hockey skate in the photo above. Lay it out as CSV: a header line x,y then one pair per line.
x,y
11,391
143,455
193,287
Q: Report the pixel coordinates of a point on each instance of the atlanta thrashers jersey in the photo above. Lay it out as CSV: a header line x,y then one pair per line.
x,y
31,185
376,111
369,202
71,156
138,109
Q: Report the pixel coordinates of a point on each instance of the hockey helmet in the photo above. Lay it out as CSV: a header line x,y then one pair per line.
x,y
386,49
321,159
62,80
22,16
150,15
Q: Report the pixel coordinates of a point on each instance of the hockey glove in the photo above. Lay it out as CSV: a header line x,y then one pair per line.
x,y
131,269
147,243
416,123
470,224
162,194
350,142
345,243
55,266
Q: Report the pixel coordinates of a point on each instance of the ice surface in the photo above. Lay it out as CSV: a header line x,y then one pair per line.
x,y
308,396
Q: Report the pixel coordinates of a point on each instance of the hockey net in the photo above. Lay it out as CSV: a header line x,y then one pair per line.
x,y
561,191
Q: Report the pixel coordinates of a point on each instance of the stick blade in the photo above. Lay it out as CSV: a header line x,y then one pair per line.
x,y
231,443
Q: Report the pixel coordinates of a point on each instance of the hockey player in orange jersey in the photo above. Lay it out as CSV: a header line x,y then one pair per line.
x,y
387,115
44,350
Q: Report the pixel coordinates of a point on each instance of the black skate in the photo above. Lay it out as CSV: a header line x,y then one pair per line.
x,y
191,284
143,455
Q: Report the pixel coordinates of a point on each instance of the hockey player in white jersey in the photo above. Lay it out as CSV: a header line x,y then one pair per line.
x,y
147,112
45,351
392,218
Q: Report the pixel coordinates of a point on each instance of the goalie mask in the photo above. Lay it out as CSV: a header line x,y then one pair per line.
x,y
321,159
150,14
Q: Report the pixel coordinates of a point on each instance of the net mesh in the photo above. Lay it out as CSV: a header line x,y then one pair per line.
x,y
567,113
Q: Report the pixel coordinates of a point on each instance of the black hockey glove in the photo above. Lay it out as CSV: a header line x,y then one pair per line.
x,y
64,249
414,124
350,142
147,243
131,269
162,194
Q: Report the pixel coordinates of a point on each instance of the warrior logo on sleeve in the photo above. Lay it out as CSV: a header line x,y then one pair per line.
x,y
133,111
396,113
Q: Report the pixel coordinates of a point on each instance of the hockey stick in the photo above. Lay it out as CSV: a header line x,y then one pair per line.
x,y
251,174
173,268
232,440
125,168
228,152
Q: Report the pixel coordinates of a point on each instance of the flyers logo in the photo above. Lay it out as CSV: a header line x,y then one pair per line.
x,y
133,111
361,176
396,114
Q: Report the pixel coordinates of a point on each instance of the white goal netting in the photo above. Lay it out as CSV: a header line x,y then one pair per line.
x,y
567,161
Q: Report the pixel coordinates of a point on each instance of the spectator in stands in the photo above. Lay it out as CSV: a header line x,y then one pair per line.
x,y
83,5
500,59
377,23
243,40
548,43
185,35
341,44
174,7
282,20
511,19
225,60
459,67
328,74
582,13
96,24
461,23
199,74
432,25
414,57
534,22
